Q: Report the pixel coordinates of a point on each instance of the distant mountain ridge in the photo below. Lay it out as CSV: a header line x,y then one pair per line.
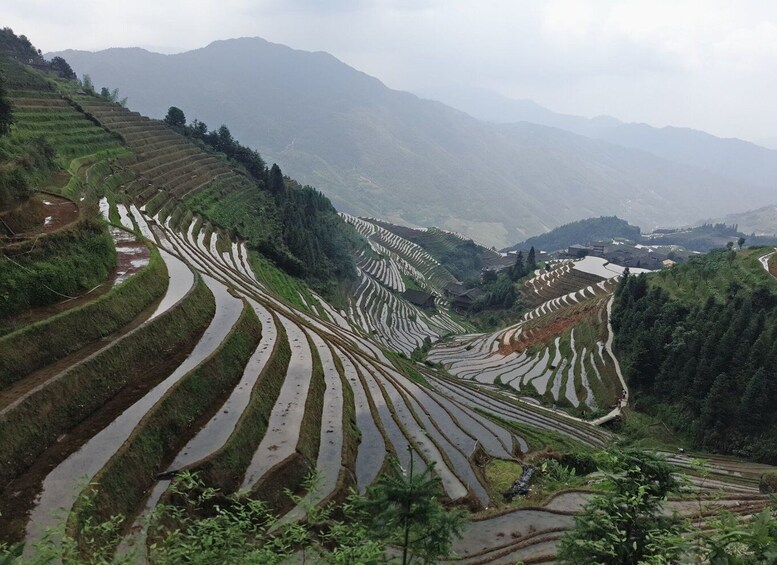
x,y
384,153
732,158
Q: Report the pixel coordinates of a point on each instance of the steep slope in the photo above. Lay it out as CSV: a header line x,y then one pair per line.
x,y
384,153
732,158
697,341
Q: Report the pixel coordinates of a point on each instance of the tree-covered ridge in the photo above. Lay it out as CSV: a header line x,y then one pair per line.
x,y
698,344
603,228
21,50
301,231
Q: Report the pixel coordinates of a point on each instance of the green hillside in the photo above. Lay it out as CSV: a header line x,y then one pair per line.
x,y
698,342
581,233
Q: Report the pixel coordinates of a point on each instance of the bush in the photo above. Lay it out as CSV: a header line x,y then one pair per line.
x,y
768,483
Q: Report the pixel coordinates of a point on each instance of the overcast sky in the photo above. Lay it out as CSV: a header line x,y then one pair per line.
x,y
706,64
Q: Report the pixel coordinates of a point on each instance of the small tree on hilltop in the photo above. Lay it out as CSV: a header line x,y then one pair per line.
x,y
740,242
175,117
62,68
87,84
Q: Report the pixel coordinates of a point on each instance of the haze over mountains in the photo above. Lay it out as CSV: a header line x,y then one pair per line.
x,y
728,157
380,152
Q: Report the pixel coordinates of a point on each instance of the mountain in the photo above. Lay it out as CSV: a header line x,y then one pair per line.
x,y
734,159
379,152
762,221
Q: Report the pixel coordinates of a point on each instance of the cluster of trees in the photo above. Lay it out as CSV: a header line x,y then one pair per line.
x,y
105,93
20,49
711,364
314,243
522,268
583,231
497,294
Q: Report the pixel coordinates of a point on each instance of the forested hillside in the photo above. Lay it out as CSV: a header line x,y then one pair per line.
x,y
581,232
698,346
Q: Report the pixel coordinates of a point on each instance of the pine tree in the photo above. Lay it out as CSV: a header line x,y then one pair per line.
x,y
519,269
531,260
404,510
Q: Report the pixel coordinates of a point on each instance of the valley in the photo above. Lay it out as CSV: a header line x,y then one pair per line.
x,y
169,310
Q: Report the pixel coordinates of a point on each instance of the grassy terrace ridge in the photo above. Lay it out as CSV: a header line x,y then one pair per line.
x,y
44,270
120,486
29,427
225,468
291,472
37,345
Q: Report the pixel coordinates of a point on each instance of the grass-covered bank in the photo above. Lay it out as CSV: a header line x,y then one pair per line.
x,y
225,469
35,423
121,485
62,264
39,344
292,472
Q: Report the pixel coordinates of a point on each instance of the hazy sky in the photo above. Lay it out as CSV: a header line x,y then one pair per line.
x,y
705,64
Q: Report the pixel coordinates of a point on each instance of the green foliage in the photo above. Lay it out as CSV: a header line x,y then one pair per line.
x,y
62,68
499,294
62,265
404,511
626,525
39,344
700,342
175,117
605,228
6,119
732,542
19,48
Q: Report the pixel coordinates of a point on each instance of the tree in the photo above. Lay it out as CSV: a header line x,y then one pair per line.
x,y
198,129
403,510
62,68
87,84
6,110
730,245
741,242
626,526
519,269
276,184
531,260
176,118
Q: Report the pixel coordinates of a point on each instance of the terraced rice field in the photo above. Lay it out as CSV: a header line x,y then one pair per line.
x,y
377,308
558,352
254,392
